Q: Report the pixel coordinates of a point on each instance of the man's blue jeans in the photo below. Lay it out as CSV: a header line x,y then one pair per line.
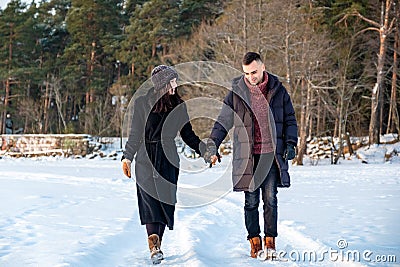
x,y
269,193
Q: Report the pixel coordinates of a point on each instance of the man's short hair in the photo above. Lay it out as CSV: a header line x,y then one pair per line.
x,y
250,57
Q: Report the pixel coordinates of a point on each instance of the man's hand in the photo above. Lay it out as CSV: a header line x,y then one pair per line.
x,y
126,167
290,152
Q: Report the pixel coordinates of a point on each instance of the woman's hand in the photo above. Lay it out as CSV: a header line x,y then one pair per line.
x,y
214,158
126,167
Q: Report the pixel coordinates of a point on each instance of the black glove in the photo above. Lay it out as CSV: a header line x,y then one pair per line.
x,y
290,152
209,149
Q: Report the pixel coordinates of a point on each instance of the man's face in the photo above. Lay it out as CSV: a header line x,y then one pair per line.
x,y
254,72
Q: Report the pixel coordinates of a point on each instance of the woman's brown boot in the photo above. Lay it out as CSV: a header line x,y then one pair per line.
x,y
156,254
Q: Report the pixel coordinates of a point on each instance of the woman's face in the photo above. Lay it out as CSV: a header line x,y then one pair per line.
x,y
173,84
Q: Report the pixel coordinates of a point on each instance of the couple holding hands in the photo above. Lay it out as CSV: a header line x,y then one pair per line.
x,y
259,110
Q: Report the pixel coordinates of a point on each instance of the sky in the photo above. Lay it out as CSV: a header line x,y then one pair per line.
x,y
3,4
83,212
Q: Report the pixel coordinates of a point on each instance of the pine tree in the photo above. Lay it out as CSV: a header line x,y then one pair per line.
x,y
193,12
148,37
17,53
93,27
53,37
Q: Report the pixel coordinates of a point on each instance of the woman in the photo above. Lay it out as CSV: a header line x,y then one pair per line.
x,y
156,119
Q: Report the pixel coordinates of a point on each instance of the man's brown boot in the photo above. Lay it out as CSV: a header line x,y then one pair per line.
x,y
269,242
256,246
269,246
156,254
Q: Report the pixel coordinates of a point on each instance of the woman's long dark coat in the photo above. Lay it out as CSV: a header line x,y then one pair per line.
x,y
157,162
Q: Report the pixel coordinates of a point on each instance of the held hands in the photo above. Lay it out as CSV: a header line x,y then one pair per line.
x,y
209,152
289,153
126,167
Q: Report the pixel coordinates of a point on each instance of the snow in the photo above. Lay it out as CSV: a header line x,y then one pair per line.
x,y
83,212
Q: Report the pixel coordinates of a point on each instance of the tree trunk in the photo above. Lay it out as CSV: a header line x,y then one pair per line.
x,y
153,50
90,92
348,141
58,98
340,123
289,78
8,85
393,120
309,118
6,98
336,129
319,115
377,92
46,106
260,28
245,26
303,122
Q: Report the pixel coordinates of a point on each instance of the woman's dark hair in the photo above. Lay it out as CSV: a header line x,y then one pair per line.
x,y
250,57
161,77
166,102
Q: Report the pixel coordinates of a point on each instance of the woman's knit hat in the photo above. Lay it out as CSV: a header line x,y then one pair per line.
x,y
162,75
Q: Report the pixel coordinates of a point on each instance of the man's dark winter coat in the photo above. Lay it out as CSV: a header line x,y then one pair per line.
x,y
237,112
157,162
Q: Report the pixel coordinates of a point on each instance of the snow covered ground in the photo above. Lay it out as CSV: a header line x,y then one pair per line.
x,y
81,212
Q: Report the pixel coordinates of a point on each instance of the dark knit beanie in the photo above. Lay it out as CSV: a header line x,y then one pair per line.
x,y
162,75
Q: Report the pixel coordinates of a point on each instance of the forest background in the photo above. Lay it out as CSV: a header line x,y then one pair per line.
x,y
71,66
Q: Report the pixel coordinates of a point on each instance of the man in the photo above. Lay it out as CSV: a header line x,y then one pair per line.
x,y
9,124
264,139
